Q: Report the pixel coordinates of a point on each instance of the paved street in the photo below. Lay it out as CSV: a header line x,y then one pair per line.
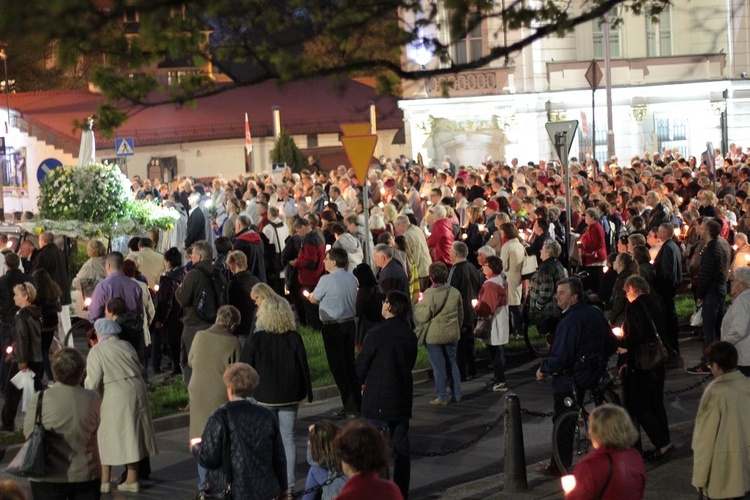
x,y
475,472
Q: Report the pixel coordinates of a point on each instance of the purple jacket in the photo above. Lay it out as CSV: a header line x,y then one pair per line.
x,y
116,285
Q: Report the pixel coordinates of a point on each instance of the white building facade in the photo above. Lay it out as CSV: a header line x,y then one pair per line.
x,y
671,82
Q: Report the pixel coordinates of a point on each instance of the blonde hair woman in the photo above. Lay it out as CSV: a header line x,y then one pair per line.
x,y
261,292
278,354
614,464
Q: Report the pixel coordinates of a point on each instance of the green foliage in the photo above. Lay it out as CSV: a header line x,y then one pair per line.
x,y
251,41
286,151
168,397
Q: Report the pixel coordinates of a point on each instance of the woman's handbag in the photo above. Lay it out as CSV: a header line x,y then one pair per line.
x,y
421,330
211,492
529,265
483,330
30,459
653,354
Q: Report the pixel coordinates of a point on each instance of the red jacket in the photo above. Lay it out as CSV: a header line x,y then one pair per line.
x,y
369,487
628,476
593,246
310,261
441,241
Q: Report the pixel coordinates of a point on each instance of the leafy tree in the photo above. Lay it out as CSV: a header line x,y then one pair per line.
x,y
286,151
251,41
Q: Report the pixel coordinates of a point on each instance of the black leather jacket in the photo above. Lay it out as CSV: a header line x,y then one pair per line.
x,y
256,450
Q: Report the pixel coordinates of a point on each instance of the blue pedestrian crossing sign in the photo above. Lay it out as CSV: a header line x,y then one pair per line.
x,y
46,167
124,146
2,146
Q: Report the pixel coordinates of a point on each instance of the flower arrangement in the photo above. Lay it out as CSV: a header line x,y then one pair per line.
x,y
96,200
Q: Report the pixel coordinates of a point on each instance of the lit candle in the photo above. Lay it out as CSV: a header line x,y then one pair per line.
x,y
474,302
421,296
568,483
9,349
617,331
735,247
195,441
382,190
652,262
482,227
305,293
464,236
308,199
606,268
156,288
677,232
328,247
87,301
381,204
747,257
10,244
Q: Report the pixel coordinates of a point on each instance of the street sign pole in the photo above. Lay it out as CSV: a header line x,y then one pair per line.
x,y
561,134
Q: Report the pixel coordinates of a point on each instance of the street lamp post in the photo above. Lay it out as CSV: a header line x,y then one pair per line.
x,y
4,57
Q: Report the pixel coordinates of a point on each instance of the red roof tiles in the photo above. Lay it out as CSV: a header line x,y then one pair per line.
x,y
317,106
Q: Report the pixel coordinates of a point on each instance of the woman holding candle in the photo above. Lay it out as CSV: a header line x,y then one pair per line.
x,y
643,390
614,469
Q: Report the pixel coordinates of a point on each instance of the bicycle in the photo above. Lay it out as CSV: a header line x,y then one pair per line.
x,y
570,437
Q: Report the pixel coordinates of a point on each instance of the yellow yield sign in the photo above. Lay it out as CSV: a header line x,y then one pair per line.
x,y
359,145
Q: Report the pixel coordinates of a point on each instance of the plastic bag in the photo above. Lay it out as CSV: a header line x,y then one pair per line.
x,y
24,380
697,318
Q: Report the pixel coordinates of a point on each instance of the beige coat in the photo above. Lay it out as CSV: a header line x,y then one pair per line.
x,y
93,270
417,250
126,433
71,416
212,351
445,328
512,256
721,439
152,265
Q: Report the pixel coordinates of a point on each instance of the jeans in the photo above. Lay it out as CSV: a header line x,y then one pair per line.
x,y
713,313
398,435
287,417
497,356
88,490
202,472
438,355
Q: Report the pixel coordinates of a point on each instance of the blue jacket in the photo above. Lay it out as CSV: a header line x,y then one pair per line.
x,y
582,331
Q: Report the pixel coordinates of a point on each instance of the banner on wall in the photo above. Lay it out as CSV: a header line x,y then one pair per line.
x,y
15,172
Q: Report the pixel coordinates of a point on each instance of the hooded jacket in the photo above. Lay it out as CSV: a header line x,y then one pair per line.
x,y
441,241
250,243
353,249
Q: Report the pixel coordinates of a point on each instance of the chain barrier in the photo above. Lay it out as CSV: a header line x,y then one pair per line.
x,y
458,448
674,392
316,488
537,413
691,387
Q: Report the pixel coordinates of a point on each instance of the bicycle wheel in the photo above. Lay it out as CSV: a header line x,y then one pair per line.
x,y
570,440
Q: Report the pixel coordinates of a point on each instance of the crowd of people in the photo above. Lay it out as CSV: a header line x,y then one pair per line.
x,y
440,259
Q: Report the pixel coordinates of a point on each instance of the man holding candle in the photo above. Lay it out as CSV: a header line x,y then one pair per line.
x,y
668,267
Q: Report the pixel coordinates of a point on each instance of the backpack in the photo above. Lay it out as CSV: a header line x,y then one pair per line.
x,y
212,297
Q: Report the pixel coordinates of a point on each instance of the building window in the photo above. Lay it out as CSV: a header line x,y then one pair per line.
x,y
614,37
468,45
312,140
175,77
130,15
659,35
584,141
671,132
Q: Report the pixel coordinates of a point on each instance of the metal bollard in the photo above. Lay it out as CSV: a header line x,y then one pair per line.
x,y
514,475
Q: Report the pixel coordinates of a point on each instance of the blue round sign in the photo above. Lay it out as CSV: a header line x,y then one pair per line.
x,y
46,166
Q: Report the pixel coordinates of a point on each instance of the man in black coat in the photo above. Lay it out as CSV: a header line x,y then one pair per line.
x,y
196,225
711,289
53,260
464,277
668,268
392,275
384,366
240,285
658,213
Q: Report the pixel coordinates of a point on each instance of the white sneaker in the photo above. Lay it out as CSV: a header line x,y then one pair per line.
x,y
501,387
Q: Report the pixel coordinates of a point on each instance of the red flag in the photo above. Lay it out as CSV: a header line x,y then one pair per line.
x,y
248,138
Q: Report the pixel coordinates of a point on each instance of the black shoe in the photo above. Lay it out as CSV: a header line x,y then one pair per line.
x,y
548,469
658,455
339,413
